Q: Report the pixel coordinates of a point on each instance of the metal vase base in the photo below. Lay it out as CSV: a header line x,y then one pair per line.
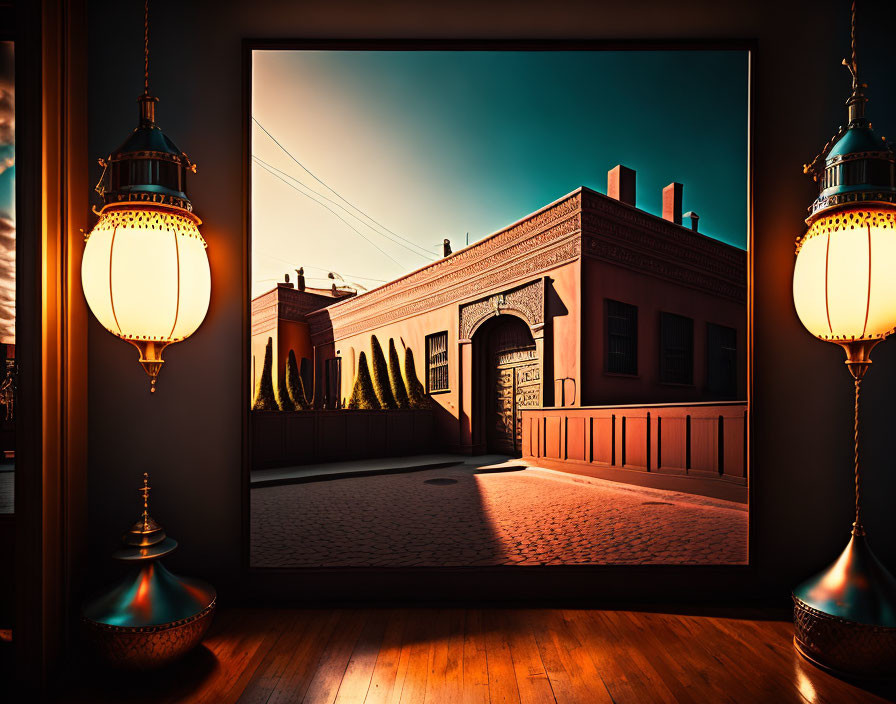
x,y
845,617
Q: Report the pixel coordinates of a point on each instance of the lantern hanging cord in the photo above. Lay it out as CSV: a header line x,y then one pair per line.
x,y
852,46
816,166
857,528
145,47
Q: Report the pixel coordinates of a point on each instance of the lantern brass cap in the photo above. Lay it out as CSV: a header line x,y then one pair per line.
x,y
148,167
858,355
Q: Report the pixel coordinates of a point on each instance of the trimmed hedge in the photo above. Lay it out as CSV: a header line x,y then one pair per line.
x,y
381,384
294,386
396,380
283,399
306,381
363,396
264,392
416,392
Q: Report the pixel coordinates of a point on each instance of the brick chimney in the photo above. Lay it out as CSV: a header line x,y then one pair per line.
x,y
691,219
621,184
672,202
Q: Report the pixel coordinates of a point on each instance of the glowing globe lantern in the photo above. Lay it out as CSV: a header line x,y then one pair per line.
x,y
145,271
844,290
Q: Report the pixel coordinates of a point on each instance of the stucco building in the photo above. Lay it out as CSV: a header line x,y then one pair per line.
x,y
587,301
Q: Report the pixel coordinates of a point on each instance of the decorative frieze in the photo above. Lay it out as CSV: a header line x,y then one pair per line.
x,y
538,254
655,266
527,301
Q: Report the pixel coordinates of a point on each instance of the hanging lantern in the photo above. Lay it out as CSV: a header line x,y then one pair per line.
x,y
844,290
145,271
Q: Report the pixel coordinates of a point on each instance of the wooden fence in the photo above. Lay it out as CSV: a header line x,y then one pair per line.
x,y
704,441
285,438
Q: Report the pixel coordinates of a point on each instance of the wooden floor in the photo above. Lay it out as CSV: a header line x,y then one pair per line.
x,y
407,655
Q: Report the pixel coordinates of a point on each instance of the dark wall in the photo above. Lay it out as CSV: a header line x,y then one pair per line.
x,y
188,434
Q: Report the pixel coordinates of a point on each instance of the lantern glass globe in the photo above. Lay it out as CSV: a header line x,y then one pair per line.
x,y
145,274
844,281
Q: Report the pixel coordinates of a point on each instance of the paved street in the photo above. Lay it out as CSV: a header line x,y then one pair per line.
x,y
493,515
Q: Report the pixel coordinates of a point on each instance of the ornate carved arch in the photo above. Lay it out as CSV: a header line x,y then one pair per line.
x,y
525,302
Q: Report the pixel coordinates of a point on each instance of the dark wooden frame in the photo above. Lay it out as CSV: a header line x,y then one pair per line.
x,y
51,433
679,582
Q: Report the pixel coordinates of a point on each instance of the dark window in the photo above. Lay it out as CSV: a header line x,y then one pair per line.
x,y
333,383
721,360
437,362
676,349
622,338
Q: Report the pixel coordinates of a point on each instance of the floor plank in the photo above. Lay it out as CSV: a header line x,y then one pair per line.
x,y
502,687
484,656
413,689
385,670
531,676
334,661
475,665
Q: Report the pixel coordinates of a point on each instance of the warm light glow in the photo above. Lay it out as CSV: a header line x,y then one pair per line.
x,y
844,285
145,273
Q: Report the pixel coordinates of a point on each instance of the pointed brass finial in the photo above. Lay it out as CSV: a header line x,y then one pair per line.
x,y
145,531
145,492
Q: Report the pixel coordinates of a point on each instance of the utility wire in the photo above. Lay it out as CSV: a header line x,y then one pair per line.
x,y
306,170
360,234
426,256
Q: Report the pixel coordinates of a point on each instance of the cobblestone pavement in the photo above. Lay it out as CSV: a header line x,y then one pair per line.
x,y
464,515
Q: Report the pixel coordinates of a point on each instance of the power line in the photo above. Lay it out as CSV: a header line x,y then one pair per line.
x,y
306,170
324,205
341,207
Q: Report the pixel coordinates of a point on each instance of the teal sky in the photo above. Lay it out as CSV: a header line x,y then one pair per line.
x,y
440,144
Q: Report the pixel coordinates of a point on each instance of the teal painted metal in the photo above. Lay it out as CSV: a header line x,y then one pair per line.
x,y
147,167
859,170
856,588
150,596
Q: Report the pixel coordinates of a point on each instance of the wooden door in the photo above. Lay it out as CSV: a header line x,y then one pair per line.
x,y
515,385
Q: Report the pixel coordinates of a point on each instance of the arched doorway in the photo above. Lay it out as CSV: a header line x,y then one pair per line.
x,y
509,380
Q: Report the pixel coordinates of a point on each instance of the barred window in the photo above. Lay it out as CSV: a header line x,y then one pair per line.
x,y
437,362
622,338
721,360
676,349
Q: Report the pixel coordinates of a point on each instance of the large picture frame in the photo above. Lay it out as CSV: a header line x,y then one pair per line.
x,y
483,582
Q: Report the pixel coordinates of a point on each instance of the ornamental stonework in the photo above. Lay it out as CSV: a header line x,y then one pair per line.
x,y
527,301
639,261
540,252
605,217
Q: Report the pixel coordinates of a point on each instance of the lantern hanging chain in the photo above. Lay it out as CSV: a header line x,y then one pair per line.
x,y
852,47
857,528
145,47
814,166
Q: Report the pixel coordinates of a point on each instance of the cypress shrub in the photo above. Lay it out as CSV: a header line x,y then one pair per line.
x,y
416,392
294,387
363,396
396,379
306,381
283,399
381,383
264,392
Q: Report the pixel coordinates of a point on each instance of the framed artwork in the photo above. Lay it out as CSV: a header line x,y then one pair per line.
x,y
499,305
